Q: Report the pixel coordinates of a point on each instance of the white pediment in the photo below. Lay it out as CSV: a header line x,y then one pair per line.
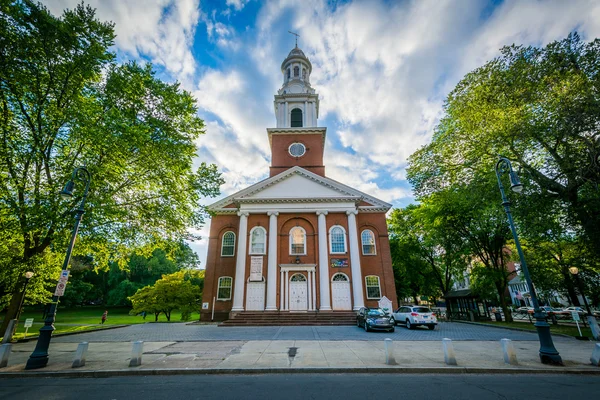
x,y
295,187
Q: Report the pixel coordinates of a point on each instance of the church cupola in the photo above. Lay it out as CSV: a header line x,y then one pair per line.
x,y
297,141
296,103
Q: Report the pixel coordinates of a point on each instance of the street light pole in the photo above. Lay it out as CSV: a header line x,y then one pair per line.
x,y
591,319
548,353
39,357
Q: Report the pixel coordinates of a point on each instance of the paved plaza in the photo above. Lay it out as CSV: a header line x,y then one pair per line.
x,y
157,332
169,348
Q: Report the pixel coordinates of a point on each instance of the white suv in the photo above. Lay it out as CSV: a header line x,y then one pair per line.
x,y
414,316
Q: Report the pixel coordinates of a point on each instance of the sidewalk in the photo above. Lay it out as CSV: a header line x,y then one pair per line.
x,y
261,356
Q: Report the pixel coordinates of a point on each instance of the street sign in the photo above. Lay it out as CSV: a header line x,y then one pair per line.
x,y
575,316
60,289
28,324
64,276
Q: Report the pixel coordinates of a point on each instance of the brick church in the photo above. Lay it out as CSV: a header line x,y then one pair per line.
x,y
297,241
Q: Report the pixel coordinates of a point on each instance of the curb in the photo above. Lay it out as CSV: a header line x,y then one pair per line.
x,y
514,329
308,370
72,333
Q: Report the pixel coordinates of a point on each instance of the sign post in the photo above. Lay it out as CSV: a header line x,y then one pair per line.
x,y
28,324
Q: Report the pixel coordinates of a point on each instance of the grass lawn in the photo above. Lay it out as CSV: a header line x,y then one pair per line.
x,y
564,329
89,318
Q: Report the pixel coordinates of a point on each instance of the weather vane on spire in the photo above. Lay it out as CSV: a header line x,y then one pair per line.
x,y
297,36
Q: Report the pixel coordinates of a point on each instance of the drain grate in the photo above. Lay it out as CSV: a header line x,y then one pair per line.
x,y
292,351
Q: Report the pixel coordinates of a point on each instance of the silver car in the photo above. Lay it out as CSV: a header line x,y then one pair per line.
x,y
413,316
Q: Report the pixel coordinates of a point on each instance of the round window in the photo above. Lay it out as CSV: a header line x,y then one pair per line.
x,y
297,149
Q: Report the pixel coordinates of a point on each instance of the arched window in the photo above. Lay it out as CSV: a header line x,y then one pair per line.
x,y
339,277
288,74
228,244
224,289
373,288
337,240
296,71
297,241
258,240
368,242
303,74
298,278
296,118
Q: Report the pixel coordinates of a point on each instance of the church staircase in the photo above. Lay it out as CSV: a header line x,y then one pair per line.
x,y
257,318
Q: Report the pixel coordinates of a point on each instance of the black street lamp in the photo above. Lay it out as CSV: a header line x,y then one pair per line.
x,y
39,357
590,317
548,353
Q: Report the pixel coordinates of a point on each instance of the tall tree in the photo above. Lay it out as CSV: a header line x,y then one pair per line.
x,y
540,107
64,102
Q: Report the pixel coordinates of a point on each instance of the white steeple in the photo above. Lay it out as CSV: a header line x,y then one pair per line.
x,y
296,103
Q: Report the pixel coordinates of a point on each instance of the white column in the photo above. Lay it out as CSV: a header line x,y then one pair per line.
x,y
240,264
314,109
305,114
281,292
325,304
314,291
287,294
272,263
285,116
357,286
309,284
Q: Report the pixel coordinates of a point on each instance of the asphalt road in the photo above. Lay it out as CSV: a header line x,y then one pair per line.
x,y
306,386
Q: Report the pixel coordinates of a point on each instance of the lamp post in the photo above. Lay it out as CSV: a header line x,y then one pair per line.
x,y
591,319
39,357
28,275
548,353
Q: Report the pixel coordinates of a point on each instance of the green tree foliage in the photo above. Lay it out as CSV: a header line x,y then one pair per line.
x,y
65,102
540,107
427,253
181,290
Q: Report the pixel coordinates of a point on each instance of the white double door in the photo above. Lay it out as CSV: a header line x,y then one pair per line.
x,y
255,296
340,295
298,296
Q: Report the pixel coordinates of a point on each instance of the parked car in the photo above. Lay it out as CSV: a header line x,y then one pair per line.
x,y
374,319
576,309
553,310
524,310
413,316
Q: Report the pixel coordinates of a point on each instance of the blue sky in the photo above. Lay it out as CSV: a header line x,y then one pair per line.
x,y
382,70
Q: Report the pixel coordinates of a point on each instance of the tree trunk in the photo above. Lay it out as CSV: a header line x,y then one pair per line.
x,y
156,314
168,314
572,294
12,310
500,288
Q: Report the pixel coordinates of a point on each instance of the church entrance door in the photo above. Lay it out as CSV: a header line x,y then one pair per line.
x,y
340,292
255,296
298,293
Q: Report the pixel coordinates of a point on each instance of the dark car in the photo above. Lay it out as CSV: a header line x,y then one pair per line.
x,y
374,319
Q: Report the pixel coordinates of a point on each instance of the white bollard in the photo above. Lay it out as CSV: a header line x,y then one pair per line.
x,y
449,355
4,353
595,359
136,354
510,355
389,352
79,360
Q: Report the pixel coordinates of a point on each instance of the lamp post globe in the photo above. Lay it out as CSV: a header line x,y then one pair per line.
x,y
548,353
39,357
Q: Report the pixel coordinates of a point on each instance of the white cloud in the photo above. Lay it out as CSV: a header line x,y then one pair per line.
x,y
162,30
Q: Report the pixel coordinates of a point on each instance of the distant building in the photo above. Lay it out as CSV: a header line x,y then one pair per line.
x,y
297,241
